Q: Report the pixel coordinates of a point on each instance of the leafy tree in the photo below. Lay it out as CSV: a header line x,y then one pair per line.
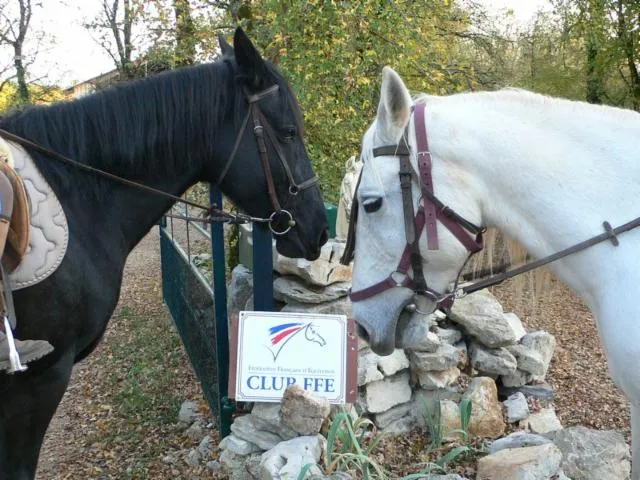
x,y
333,53
15,17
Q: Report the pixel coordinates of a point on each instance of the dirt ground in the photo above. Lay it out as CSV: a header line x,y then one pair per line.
x,y
91,437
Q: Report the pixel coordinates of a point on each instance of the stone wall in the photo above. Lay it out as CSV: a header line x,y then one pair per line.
x,y
477,352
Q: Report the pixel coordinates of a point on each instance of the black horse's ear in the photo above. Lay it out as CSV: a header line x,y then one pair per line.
x,y
225,48
249,60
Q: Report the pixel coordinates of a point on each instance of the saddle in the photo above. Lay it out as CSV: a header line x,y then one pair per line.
x,y
20,225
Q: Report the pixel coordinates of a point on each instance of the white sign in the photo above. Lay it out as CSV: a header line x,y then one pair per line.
x,y
277,349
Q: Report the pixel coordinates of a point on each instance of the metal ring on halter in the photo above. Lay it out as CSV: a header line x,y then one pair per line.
x,y
459,293
294,190
291,222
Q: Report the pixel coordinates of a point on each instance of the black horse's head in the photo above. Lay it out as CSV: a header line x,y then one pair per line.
x,y
266,170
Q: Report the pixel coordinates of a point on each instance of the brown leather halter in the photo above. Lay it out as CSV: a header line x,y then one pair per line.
x,y
260,126
430,210
214,213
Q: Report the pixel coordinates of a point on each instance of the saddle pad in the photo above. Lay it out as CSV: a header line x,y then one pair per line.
x,y
49,229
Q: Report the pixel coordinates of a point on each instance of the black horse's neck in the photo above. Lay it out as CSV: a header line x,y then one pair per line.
x,y
158,131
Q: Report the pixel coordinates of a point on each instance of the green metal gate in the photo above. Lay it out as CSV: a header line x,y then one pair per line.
x,y
197,299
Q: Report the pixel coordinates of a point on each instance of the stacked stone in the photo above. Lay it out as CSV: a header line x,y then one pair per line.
x,y
477,337
499,346
276,440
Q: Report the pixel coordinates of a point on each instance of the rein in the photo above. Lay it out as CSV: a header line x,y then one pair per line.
x,y
213,214
609,234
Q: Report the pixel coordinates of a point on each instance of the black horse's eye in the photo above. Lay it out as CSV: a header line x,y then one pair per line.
x,y
289,133
372,204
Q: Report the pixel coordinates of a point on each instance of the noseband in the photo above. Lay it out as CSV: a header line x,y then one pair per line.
x,y
260,126
431,210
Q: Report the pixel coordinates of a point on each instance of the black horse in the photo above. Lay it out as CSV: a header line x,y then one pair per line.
x,y
168,131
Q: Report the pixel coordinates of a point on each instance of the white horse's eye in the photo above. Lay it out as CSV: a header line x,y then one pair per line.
x,y
372,204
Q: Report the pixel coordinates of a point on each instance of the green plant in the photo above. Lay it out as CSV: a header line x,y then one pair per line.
x,y
346,450
432,419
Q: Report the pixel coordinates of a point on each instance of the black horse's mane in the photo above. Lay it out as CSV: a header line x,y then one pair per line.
x,y
172,116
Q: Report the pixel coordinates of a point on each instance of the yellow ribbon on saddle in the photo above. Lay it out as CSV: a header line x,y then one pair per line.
x,y
20,224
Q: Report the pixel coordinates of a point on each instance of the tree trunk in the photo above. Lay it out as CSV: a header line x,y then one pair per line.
x,y
185,53
626,39
21,75
594,82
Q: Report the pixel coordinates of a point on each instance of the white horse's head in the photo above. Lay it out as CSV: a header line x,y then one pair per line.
x,y
381,229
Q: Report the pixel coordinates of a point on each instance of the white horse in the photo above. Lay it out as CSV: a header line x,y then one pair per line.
x,y
547,172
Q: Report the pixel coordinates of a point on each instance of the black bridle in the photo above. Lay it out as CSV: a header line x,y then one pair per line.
x,y
213,213
260,126
430,208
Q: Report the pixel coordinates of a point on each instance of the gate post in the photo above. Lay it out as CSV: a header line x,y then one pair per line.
x,y
226,407
262,268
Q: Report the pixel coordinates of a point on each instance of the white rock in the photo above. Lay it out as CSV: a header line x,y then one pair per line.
x,y
324,271
541,422
445,357
342,306
285,460
372,367
450,335
393,363
368,367
517,407
189,413
387,393
529,360
496,361
516,325
292,289
481,315
245,428
518,439
594,454
517,379
240,289
544,343
541,462
266,416
238,445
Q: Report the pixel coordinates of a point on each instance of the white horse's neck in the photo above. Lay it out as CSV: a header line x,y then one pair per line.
x,y
546,172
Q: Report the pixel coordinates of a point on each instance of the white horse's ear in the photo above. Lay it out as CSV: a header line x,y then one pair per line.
x,y
394,109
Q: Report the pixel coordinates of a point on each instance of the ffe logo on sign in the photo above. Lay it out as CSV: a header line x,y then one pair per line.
x,y
276,349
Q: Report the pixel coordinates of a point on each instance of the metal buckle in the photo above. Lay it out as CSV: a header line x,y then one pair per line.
x,y
290,223
458,293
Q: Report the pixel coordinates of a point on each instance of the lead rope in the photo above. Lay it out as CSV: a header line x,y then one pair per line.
x,y
214,214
